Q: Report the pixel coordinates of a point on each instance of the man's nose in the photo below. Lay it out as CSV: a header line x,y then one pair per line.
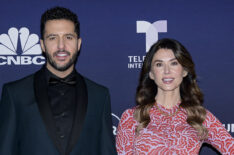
x,y
61,43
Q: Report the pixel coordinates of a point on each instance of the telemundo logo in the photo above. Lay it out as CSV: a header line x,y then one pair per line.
x,y
151,31
31,50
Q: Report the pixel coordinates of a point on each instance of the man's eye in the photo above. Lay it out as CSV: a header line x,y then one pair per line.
x,y
69,37
51,38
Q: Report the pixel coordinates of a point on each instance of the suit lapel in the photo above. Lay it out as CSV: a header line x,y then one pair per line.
x,y
81,108
40,89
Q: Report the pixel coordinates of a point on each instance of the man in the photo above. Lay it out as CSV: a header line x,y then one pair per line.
x,y
56,110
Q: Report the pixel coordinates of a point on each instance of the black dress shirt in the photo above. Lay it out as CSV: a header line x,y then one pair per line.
x,y
62,99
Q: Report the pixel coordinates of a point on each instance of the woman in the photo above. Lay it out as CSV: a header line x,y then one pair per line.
x,y
169,117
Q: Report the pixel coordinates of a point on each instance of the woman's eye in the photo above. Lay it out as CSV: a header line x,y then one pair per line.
x,y
174,63
158,64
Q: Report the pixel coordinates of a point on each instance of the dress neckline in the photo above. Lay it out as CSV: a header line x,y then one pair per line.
x,y
167,111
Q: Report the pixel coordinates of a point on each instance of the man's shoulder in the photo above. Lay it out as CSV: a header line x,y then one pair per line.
x,y
23,82
93,85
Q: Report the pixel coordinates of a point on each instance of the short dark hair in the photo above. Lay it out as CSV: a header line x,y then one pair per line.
x,y
59,13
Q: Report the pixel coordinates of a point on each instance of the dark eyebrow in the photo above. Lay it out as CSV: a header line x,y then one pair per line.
x,y
162,61
158,61
51,35
173,59
70,34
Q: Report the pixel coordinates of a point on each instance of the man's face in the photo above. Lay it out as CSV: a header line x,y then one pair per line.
x,y
60,45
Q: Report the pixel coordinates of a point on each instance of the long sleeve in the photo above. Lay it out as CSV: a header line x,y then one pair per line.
x,y
218,136
107,138
126,133
8,124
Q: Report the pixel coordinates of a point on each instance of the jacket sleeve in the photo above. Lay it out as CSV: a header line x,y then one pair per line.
x,y
8,124
107,138
218,136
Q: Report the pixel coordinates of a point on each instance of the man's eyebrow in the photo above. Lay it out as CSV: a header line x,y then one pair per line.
x,y
50,35
71,34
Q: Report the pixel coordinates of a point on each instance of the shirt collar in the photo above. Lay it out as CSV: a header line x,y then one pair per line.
x,y
49,74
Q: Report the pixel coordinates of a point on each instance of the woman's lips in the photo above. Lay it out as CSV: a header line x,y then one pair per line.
x,y
167,80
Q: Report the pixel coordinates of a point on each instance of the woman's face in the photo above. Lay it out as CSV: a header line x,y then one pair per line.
x,y
166,71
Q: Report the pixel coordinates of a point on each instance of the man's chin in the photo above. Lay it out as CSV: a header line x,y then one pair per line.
x,y
61,67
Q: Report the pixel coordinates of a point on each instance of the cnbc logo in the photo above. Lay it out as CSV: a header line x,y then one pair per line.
x,y
30,49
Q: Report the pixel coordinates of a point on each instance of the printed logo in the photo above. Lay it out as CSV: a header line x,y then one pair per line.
x,y
115,120
31,50
151,36
229,127
151,31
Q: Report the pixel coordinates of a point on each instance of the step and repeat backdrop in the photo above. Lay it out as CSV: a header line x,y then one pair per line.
x,y
116,36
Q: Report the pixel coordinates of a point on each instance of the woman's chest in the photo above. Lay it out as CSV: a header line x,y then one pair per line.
x,y
165,135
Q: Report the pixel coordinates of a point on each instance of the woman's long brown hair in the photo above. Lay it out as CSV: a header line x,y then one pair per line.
x,y
191,95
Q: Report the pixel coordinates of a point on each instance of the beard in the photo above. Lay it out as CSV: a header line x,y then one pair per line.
x,y
56,66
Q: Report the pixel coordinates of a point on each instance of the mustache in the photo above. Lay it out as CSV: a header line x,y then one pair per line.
x,y
64,51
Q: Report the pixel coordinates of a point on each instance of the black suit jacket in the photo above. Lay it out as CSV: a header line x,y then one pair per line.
x,y
27,126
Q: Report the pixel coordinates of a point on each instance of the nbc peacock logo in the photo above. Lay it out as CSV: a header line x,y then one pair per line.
x,y
30,49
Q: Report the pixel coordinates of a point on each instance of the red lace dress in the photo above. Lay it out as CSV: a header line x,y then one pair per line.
x,y
169,135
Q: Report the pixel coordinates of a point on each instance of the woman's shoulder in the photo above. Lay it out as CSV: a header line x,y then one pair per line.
x,y
127,121
209,115
211,120
128,116
128,113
